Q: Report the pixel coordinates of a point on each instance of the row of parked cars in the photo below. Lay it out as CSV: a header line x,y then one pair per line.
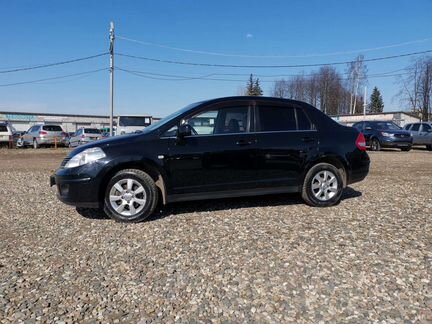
x,y
386,134
47,135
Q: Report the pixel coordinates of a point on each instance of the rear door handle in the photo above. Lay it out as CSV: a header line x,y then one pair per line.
x,y
243,142
308,139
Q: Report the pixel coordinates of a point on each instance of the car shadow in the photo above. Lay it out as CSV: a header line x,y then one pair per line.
x,y
219,204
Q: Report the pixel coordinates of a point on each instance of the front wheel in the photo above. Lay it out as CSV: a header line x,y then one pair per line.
x,y
131,196
35,144
406,149
429,147
322,186
375,145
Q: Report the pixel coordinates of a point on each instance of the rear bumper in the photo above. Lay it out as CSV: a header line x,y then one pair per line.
x,y
51,141
359,167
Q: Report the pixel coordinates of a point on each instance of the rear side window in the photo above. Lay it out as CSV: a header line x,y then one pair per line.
x,y
52,128
3,128
426,127
407,127
276,119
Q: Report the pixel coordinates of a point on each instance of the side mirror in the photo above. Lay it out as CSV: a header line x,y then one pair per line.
x,y
183,131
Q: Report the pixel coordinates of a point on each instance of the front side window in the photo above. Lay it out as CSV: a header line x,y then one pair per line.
x,y
407,127
92,131
415,127
227,120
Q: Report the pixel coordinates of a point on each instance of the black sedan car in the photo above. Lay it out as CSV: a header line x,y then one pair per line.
x,y
380,134
236,146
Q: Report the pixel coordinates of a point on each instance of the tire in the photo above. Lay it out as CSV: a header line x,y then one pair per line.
x,y
406,149
332,192
429,147
138,196
375,145
35,144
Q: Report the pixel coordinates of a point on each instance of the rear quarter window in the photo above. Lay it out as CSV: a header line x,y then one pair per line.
x,y
3,128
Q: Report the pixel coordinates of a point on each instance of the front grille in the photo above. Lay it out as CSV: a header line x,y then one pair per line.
x,y
402,135
66,160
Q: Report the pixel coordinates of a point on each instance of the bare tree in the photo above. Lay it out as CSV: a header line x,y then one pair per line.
x,y
416,87
357,77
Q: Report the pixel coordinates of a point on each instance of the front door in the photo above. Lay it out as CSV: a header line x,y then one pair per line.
x,y
218,156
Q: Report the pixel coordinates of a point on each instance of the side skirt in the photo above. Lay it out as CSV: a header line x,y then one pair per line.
x,y
231,194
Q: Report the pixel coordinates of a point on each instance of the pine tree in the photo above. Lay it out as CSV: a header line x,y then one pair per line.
x,y
376,104
257,88
253,87
250,87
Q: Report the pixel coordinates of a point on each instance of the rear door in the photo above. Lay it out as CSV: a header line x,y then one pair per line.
x,y
285,139
425,135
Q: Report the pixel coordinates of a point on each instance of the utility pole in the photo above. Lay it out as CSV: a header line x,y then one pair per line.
x,y
365,102
111,50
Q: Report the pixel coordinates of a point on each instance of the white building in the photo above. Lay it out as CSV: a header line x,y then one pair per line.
x,y
400,118
70,123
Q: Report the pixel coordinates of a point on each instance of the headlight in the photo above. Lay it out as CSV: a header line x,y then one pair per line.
x,y
387,134
87,156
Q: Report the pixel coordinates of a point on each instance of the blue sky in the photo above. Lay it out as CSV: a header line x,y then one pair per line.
x,y
38,32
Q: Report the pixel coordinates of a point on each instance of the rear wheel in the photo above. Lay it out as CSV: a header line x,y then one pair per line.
x,y
375,145
406,149
131,196
322,186
429,147
35,144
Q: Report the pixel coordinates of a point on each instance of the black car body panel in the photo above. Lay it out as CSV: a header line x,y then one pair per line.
x,y
206,166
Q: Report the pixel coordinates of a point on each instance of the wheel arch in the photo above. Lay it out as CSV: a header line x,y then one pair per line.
x,y
143,165
334,160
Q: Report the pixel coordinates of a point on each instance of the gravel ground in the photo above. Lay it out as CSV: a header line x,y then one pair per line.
x,y
262,259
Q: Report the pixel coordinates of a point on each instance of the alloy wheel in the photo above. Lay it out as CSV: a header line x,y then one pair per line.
x,y
324,185
127,197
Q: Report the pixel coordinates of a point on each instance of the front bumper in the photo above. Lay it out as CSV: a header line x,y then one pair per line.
x,y
78,186
392,142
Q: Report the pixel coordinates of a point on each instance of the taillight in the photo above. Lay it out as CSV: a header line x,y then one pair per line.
x,y
361,142
43,133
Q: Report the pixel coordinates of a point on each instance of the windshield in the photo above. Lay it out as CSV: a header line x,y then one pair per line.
x,y
134,121
52,128
387,126
170,117
91,131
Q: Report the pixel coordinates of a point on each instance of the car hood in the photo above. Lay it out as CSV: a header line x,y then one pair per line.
x,y
108,142
398,132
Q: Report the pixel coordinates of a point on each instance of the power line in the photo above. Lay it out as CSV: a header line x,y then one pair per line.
x,y
273,56
172,77
248,74
53,78
270,66
53,64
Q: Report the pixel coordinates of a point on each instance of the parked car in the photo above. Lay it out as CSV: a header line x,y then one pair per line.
x,y
44,135
379,134
84,136
256,146
8,134
421,134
